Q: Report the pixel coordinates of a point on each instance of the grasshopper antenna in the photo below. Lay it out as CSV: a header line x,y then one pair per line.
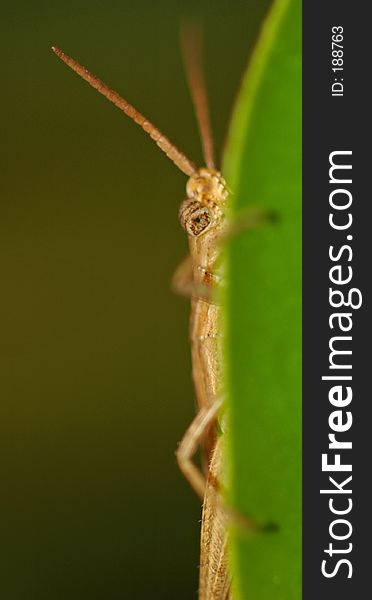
x,y
191,45
176,156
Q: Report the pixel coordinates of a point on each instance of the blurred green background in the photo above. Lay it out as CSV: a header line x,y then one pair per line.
x,y
95,367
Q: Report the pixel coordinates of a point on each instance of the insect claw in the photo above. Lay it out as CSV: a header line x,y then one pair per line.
x,y
273,217
249,526
270,527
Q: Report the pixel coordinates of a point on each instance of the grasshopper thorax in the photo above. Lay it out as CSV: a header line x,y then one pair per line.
x,y
204,206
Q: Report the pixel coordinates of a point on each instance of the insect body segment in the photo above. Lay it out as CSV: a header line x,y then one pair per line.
x,y
202,215
214,578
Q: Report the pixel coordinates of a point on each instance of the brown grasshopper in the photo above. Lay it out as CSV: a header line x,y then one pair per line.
x,y
202,215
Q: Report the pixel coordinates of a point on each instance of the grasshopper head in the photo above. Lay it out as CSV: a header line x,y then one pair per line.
x,y
204,206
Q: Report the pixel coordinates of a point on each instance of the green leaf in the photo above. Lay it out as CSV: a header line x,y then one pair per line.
x,y
263,314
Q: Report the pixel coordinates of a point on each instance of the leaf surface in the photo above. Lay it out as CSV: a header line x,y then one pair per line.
x,y
262,165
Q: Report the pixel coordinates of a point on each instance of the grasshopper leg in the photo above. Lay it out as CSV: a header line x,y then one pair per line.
x,y
183,282
190,442
249,220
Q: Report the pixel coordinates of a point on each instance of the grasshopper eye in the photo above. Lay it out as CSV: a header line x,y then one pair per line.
x,y
194,217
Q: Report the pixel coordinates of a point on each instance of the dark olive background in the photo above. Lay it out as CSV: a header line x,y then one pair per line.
x,y
95,367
